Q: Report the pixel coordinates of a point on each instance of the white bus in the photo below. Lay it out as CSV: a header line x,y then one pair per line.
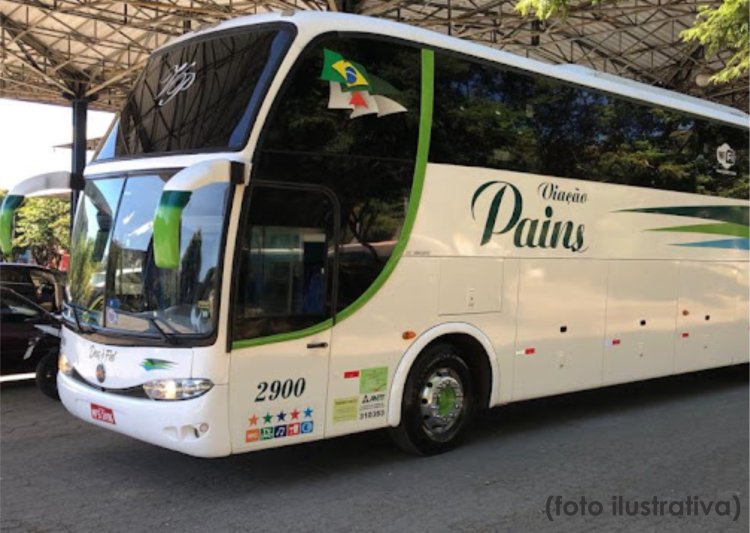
x,y
308,225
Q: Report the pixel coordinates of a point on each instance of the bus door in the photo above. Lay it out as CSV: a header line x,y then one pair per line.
x,y
283,293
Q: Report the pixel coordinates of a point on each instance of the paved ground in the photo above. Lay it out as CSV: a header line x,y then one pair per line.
x,y
669,438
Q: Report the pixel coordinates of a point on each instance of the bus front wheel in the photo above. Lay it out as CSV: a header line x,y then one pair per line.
x,y
438,403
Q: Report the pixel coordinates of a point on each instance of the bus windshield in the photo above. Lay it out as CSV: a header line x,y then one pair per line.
x,y
115,287
200,95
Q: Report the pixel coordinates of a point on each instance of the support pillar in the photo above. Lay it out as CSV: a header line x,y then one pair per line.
x,y
80,106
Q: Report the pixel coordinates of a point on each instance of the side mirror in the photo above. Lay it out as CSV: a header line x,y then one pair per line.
x,y
40,185
176,195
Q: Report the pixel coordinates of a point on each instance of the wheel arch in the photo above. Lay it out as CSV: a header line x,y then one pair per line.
x,y
475,345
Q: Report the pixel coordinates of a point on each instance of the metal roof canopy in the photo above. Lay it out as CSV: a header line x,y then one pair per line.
x,y
58,51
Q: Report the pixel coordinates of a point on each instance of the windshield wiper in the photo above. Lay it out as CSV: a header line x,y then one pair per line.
x,y
170,338
79,327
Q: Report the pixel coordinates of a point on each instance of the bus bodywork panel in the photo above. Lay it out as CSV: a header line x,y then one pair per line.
x,y
197,426
639,343
603,299
170,426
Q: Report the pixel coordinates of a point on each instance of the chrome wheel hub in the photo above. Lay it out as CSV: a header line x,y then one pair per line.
x,y
442,401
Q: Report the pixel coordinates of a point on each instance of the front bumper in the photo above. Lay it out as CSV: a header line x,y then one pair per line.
x,y
177,425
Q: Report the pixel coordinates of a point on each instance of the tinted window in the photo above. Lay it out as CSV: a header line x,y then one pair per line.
x,y
378,118
200,95
16,309
286,262
483,117
489,116
45,289
358,142
14,275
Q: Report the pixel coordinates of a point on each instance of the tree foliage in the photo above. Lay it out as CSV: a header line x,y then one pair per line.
x,y
82,268
42,227
719,29
724,28
544,9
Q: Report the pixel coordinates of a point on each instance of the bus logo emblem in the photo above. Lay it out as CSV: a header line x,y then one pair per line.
x,y
180,78
726,156
101,373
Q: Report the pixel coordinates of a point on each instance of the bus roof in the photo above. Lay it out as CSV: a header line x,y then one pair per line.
x,y
312,23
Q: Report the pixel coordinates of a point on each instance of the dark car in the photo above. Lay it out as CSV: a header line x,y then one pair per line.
x,y
41,285
29,340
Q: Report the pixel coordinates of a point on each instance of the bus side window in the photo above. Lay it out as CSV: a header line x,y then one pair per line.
x,y
286,255
487,115
359,142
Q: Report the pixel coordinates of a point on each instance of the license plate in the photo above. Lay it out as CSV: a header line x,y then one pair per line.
x,y
103,414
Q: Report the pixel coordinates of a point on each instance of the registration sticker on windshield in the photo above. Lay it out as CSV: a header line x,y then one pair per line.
x,y
204,307
103,414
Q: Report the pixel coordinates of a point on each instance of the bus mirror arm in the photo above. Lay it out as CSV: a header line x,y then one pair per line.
x,y
176,195
40,185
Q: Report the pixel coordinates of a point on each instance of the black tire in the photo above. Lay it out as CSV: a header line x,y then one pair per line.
x,y
46,375
422,433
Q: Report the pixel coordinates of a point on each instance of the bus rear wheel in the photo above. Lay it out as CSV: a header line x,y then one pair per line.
x,y
438,403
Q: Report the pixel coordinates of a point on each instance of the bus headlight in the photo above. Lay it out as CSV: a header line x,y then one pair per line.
x,y
64,366
177,389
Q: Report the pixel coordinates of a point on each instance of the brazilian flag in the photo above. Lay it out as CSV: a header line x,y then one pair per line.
x,y
352,76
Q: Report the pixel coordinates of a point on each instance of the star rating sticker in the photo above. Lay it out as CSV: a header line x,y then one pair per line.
x,y
268,418
253,420
281,416
308,413
295,414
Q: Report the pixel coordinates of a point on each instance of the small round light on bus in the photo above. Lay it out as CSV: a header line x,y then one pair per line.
x,y
408,335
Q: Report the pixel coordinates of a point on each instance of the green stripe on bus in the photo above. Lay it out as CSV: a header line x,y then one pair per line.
x,y
420,168
8,209
735,214
292,335
721,228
